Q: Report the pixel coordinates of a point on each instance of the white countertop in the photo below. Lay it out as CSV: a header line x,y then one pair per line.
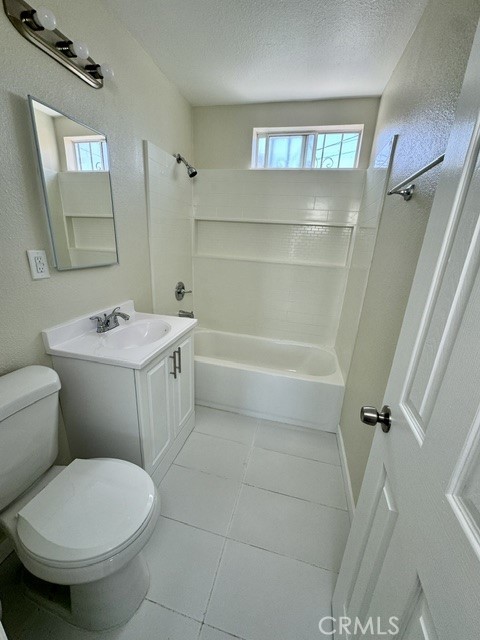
x,y
78,338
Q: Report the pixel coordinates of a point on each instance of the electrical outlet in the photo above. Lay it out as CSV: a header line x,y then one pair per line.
x,y
38,264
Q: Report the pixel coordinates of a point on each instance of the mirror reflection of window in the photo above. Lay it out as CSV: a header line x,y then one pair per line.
x,y
76,183
86,153
91,155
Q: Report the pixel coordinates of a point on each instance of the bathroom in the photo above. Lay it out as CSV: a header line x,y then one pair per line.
x,y
324,259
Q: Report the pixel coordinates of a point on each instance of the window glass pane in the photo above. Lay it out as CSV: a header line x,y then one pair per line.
x,y
97,155
106,166
261,144
91,156
349,150
328,151
285,152
309,151
84,157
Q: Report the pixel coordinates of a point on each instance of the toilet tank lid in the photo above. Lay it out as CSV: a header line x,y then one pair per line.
x,y
23,387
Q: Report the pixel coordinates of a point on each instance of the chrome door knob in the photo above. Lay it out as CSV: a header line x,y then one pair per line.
x,y
369,415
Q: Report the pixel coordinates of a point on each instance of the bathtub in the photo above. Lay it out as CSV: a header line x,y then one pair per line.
x,y
294,383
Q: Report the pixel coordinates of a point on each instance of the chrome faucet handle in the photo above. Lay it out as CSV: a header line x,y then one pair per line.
x,y
101,323
111,321
180,291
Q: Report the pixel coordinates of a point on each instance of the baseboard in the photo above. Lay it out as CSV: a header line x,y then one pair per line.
x,y
346,474
6,549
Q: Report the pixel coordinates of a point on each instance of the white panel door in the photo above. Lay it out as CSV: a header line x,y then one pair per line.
x,y
414,550
155,409
183,384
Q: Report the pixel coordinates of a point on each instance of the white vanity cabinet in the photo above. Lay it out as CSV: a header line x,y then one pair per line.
x,y
165,400
141,414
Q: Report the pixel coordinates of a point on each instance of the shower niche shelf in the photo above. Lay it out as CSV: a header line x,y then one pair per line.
x,y
300,244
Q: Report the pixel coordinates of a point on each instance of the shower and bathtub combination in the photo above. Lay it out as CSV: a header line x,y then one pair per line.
x,y
278,262
288,382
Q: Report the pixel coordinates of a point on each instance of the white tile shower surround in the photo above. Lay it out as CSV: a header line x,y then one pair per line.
x,y
277,245
169,198
248,546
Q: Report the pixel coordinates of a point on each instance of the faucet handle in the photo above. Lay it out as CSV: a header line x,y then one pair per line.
x,y
100,323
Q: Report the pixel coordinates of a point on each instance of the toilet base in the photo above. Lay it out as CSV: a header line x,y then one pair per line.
x,y
99,605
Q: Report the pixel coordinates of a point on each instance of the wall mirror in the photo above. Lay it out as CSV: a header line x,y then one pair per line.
x,y
74,168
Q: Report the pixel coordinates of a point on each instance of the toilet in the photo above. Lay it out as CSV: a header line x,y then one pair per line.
x,y
83,525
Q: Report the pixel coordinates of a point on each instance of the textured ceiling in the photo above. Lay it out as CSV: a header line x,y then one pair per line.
x,y
239,51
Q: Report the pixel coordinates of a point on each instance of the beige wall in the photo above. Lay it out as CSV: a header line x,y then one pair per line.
x,y
419,104
140,104
223,135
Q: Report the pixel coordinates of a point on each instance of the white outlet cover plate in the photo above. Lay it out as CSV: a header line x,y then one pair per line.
x,y
37,259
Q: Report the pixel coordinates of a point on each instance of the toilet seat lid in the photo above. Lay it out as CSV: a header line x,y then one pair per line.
x,y
90,510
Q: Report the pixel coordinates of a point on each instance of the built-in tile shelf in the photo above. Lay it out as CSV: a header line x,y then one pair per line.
x,y
299,244
351,219
87,215
297,263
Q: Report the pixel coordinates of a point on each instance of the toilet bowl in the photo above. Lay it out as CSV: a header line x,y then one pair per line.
x,y
83,525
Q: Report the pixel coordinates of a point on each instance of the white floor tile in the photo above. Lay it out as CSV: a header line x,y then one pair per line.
x,y
150,621
214,455
197,498
183,561
295,528
263,596
209,633
223,424
305,443
298,477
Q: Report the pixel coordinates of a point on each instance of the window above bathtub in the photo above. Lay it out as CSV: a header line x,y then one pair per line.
x,y
329,147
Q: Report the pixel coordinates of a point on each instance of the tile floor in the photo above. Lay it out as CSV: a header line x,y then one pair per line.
x,y
253,526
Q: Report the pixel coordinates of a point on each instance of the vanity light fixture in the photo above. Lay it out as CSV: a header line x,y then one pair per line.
x,y
39,26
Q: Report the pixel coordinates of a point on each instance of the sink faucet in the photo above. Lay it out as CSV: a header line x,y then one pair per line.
x,y
185,314
109,321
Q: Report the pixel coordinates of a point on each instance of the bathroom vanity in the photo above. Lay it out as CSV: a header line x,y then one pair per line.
x,y
128,393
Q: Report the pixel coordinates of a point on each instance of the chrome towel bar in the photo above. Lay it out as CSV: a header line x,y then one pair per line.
x,y
406,188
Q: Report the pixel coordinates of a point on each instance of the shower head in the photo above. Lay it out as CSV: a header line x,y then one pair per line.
x,y
192,172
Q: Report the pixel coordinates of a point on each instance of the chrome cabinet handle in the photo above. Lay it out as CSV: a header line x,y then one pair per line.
x,y
179,350
174,358
369,415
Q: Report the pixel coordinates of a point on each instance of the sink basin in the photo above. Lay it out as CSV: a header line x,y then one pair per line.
x,y
136,334
133,344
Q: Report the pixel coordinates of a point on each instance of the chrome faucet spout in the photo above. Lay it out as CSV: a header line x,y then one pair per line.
x,y
109,321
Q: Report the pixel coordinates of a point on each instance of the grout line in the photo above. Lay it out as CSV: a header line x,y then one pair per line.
x,y
287,495
294,455
207,473
283,555
180,613
194,526
237,498
214,435
228,633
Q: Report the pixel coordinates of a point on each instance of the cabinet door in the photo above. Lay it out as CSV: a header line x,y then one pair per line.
x,y
155,408
184,391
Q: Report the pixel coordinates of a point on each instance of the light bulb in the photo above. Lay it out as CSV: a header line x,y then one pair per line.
x,y
79,49
106,71
45,19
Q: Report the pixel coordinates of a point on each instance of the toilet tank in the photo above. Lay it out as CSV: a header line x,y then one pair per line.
x,y
29,412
